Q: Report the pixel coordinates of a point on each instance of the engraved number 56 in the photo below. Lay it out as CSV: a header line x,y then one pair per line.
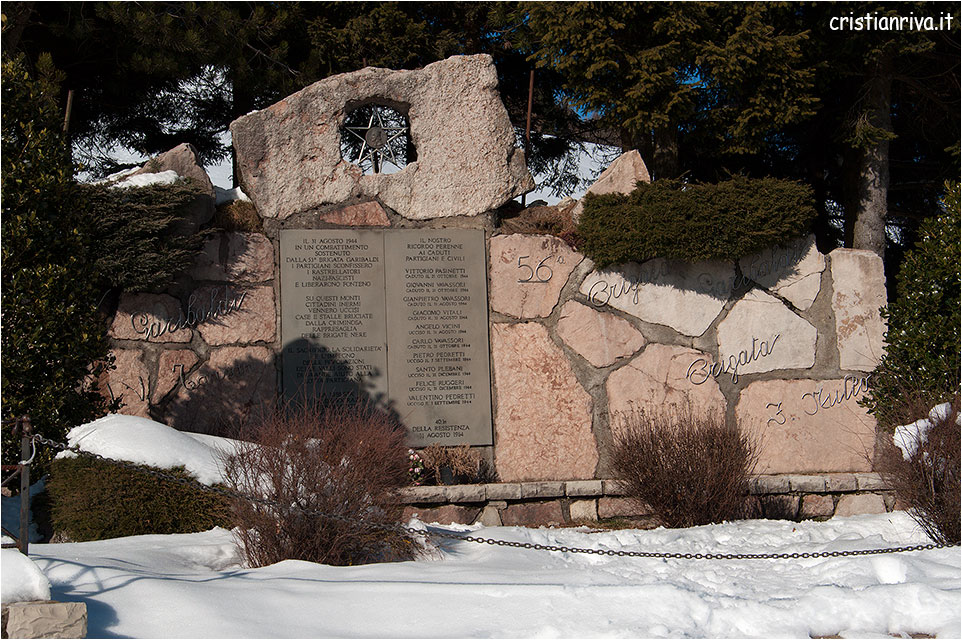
x,y
542,272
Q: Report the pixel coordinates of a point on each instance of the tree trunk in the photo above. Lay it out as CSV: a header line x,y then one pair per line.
x,y
665,160
873,184
659,151
243,103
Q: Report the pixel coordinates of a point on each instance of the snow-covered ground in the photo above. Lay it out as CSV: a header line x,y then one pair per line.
x,y
195,586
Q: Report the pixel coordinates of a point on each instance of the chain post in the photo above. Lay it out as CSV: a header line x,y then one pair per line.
x,y
26,442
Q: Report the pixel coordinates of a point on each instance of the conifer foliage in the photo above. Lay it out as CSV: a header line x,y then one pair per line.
x,y
142,239
922,356
52,331
670,219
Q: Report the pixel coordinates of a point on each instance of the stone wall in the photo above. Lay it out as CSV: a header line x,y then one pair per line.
x,y
582,502
203,352
778,343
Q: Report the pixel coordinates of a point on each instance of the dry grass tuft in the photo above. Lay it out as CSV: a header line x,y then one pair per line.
x,y
238,215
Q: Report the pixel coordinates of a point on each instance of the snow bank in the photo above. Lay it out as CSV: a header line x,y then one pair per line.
x,y
147,179
195,586
21,580
229,195
144,441
909,437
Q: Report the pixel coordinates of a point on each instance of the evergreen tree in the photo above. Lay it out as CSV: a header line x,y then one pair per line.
x,y
665,73
886,135
149,76
52,331
922,357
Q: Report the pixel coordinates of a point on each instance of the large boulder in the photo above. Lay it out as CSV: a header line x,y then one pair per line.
x,y
289,155
621,176
183,161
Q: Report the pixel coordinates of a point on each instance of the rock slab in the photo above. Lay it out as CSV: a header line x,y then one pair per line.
x,y
240,257
860,503
792,271
808,426
528,273
858,281
289,156
621,176
684,296
600,338
235,385
365,214
183,161
657,380
238,315
129,382
531,374
151,317
45,620
761,334
533,514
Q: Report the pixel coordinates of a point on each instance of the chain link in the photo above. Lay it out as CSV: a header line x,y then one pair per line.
x,y
419,533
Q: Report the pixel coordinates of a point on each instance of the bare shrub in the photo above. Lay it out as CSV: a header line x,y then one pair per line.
x,y
689,468
927,481
552,220
238,215
465,464
342,460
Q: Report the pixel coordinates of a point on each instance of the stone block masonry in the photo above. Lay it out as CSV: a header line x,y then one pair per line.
x,y
778,344
45,619
791,496
761,343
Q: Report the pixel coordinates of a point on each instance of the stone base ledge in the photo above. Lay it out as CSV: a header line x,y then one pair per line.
x,y
786,496
759,485
45,619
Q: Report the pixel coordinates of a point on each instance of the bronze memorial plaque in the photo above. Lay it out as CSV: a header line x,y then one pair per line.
x,y
399,316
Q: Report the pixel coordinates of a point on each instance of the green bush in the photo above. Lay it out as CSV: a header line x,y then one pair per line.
x,y
93,500
140,246
922,356
52,331
670,219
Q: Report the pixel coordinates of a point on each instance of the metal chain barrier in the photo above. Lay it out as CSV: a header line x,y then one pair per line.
x,y
668,555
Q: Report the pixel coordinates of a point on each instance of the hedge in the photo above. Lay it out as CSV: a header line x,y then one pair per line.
x,y
670,219
94,500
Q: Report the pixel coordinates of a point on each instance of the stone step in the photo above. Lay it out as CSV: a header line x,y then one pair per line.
x,y
516,491
45,619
